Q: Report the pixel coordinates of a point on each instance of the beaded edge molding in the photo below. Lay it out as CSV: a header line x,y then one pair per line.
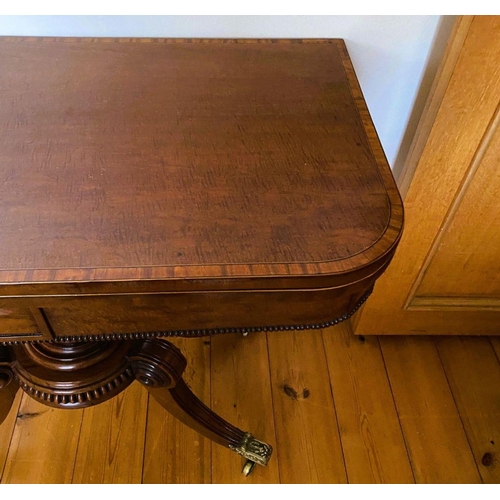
x,y
82,398
196,333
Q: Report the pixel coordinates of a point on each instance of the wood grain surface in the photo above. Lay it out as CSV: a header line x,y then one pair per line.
x,y
43,445
304,411
474,376
111,443
141,159
430,420
6,429
373,443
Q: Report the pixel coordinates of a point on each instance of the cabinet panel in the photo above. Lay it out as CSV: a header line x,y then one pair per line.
x,y
465,258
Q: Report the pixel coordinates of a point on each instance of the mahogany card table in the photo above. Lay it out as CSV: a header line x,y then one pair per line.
x,y
153,188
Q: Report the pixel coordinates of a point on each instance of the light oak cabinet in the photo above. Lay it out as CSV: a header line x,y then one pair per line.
x,y
445,276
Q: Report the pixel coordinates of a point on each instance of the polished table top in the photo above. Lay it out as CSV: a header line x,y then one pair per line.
x,y
186,161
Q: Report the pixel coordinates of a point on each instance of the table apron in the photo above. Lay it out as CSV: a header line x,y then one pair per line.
x,y
52,317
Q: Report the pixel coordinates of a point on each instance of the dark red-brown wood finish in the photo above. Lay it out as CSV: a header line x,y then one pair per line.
x,y
160,187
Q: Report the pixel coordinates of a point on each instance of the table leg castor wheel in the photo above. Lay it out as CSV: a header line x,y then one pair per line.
x,y
255,451
248,467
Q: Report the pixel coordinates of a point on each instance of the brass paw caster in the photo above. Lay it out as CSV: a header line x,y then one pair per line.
x,y
248,467
255,451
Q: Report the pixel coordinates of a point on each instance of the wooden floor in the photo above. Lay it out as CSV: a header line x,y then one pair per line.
x,y
335,407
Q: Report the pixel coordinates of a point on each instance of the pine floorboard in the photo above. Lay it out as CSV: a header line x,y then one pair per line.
x,y
335,407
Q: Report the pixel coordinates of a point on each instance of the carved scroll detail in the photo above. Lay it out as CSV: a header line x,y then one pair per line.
x,y
157,363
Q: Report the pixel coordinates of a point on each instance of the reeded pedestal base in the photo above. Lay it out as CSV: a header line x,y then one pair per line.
x,y
72,375
77,375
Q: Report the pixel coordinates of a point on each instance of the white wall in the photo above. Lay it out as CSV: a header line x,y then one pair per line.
x,y
390,53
